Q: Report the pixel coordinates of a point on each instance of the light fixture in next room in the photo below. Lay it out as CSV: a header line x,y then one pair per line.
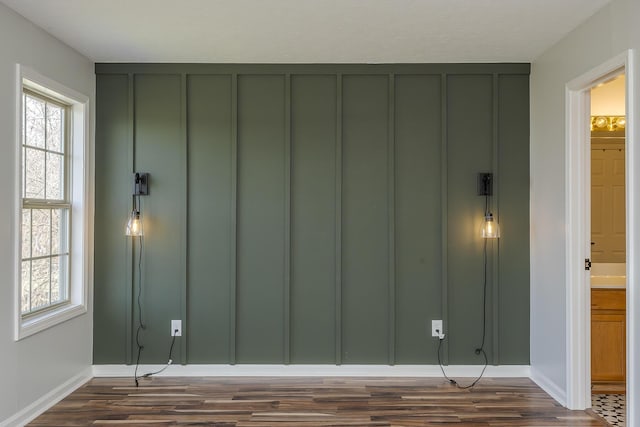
x,y
140,188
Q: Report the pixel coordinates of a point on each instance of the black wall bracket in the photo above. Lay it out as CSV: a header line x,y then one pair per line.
x,y
140,184
485,184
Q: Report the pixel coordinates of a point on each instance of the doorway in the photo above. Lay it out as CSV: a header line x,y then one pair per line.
x,y
578,242
606,203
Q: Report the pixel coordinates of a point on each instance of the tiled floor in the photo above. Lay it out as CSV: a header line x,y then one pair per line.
x,y
611,407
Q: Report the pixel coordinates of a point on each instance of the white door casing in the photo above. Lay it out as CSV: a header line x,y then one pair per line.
x,y
577,220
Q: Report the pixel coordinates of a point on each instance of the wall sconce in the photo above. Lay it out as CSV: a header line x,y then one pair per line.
x,y
490,227
140,188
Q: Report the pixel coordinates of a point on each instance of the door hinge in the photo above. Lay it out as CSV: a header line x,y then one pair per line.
x,y
587,264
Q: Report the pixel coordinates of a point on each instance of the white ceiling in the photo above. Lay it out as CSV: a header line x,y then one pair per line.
x,y
308,31
608,99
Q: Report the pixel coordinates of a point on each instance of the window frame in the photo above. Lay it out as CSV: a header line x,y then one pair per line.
x,y
79,178
46,203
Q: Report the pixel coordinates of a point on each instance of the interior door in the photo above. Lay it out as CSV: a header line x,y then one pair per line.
x,y
608,201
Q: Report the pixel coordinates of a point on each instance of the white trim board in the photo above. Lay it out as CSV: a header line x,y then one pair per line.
x,y
465,371
578,363
633,242
29,413
549,387
81,162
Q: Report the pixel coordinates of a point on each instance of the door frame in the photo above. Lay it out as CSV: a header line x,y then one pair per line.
x,y
578,244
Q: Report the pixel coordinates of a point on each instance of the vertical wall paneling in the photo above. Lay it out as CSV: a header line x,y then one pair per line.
x,y
391,206
113,274
313,218
233,216
184,235
308,214
261,200
469,129
513,203
131,126
417,234
338,225
287,221
494,245
444,217
210,231
365,244
159,151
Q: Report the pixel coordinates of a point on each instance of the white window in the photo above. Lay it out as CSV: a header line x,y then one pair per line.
x,y
45,204
53,241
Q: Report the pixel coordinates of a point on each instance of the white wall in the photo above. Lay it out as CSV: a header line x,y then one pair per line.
x,y
609,99
36,365
608,33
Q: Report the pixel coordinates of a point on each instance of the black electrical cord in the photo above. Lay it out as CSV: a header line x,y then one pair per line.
x,y
169,361
479,350
140,323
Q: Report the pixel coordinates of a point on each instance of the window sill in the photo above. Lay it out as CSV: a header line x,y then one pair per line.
x,y
48,319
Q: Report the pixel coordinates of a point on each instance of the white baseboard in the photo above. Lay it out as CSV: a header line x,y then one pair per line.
x,y
36,408
313,370
550,387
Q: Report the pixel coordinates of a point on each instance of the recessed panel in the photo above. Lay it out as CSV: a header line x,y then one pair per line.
x,y
261,219
365,220
160,150
418,224
313,218
210,226
513,205
112,287
469,151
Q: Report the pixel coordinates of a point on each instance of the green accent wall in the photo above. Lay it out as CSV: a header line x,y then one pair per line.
x,y
211,220
313,218
311,214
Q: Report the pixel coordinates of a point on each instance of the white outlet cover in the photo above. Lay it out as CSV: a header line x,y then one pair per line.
x,y
176,325
436,324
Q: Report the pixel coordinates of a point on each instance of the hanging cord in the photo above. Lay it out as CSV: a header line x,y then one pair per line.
x,y
136,206
479,350
486,206
140,323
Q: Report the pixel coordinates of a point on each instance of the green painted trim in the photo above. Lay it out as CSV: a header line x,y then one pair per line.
x,y
391,206
184,220
495,244
444,202
454,68
338,255
233,239
287,221
130,252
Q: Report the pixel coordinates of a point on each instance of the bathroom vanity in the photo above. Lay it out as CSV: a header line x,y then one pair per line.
x,y
608,327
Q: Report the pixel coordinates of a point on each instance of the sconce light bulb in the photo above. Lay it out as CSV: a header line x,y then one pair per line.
x,y
490,228
134,224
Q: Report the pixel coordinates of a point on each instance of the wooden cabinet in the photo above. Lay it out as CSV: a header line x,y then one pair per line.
x,y
608,335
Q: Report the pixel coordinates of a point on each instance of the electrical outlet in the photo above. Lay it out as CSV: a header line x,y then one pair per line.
x,y
436,329
176,328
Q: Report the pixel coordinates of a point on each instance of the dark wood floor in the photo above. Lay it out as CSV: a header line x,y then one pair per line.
x,y
310,402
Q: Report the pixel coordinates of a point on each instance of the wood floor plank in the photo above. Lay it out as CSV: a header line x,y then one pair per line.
x,y
302,402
